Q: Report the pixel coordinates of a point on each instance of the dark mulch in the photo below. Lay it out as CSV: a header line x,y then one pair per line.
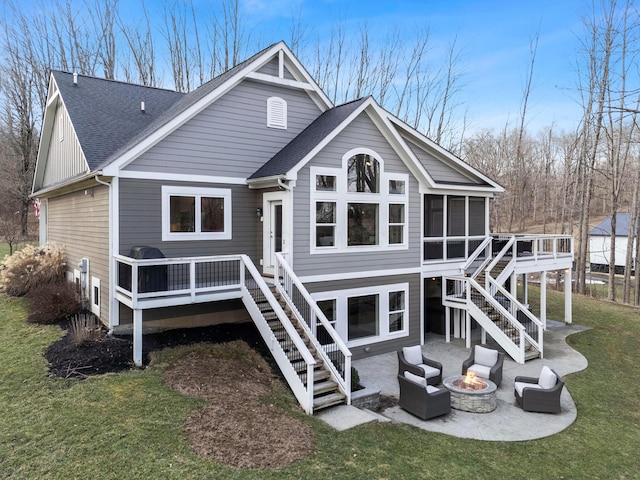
x,y
115,353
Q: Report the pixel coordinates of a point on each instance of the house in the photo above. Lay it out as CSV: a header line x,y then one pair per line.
x,y
600,244
254,198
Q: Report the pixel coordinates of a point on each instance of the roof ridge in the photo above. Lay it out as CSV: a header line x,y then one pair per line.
x,y
121,82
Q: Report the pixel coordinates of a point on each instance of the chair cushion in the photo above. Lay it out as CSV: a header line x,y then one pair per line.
x,y
429,371
480,370
485,356
432,389
416,378
412,355
520,386
547,378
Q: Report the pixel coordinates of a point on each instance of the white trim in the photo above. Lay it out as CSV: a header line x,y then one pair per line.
x,y
114,247
198,193
181,177
284,82
267,199
382,291
342,199
332,277
95,306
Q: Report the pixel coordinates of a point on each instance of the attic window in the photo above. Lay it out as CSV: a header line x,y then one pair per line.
x,y
276,113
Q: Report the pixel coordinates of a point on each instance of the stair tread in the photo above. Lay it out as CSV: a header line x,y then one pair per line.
x,y
328,400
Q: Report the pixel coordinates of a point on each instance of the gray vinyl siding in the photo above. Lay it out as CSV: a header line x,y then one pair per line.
x,y
141,221
230,138
360,133
80,223
439,170
64,158
272,67
413,310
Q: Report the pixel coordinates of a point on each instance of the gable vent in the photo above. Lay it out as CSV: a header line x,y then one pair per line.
x,y
276,113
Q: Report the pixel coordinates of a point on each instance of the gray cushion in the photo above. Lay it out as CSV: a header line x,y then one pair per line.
x,y
547,378
429,371
520,386
480,370
432,389
485,356
415,378
412,355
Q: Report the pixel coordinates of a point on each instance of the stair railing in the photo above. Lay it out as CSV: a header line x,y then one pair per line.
x,y
335,354
520,312
484,247
255,291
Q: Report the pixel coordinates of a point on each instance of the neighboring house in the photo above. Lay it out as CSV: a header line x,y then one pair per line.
x,y
600,244
253,198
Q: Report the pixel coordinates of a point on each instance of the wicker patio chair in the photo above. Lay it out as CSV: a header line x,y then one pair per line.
x,y
411,359
486,363
423,401
539,394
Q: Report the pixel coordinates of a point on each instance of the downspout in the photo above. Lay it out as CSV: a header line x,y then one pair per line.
x,y
111,268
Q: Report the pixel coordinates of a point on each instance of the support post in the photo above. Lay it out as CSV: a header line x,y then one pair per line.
x,y
543,298
447,321
137,337
568,315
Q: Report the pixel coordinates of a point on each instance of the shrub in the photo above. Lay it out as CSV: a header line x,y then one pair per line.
x,y
31,267
85,328
53,302
355,380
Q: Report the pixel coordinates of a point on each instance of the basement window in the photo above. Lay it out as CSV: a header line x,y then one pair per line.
x,y
276,113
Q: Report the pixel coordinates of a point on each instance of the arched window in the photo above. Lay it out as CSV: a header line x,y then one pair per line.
x,y
363,174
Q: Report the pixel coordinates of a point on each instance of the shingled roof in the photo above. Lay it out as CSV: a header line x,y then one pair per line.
x,y
307,140
106,114
107,117
604,227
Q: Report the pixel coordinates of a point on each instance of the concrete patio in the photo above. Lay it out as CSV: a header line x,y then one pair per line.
x,y
507,422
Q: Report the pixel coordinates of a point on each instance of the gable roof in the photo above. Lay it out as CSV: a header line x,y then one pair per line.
x,y
287,158
113,115
604,227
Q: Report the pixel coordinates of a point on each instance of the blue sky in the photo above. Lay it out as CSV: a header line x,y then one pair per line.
x,y
495,36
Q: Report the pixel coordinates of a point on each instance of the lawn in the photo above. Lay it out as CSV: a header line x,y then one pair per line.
x,y
130,425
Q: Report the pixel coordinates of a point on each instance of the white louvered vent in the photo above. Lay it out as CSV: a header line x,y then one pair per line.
x,y
276,113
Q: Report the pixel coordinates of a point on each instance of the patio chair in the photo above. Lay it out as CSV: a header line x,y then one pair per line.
x,y
411,359
539,394
485,363
422,400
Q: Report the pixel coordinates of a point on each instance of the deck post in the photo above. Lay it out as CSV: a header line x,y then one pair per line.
x,y
137,337
568,315
543,298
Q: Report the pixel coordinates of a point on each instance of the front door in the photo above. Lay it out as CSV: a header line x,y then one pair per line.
x,y
275,235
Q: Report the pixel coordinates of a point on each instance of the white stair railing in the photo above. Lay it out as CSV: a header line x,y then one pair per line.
x,y
255,291
333,351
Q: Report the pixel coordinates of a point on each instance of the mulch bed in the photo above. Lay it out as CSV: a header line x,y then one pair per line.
x,y
115,353
236,427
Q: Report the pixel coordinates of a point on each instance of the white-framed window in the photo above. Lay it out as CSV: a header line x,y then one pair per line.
x,y
358,207
95,296
277,113
190,213
367,315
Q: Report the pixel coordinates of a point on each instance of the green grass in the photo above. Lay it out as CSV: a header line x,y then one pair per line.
x,y
129,425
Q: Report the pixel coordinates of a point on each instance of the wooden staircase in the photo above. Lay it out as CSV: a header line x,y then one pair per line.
x,y
325,390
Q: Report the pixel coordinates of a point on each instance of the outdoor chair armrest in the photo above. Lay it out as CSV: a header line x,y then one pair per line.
x,y
432,363
524,379
467,363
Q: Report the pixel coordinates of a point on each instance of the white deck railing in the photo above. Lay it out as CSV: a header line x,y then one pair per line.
x,y
149,283
329,345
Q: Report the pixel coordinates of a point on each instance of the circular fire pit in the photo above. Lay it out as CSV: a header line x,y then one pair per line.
x,y
471,394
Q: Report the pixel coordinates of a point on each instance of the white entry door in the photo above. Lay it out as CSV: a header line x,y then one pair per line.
x,y
275,228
